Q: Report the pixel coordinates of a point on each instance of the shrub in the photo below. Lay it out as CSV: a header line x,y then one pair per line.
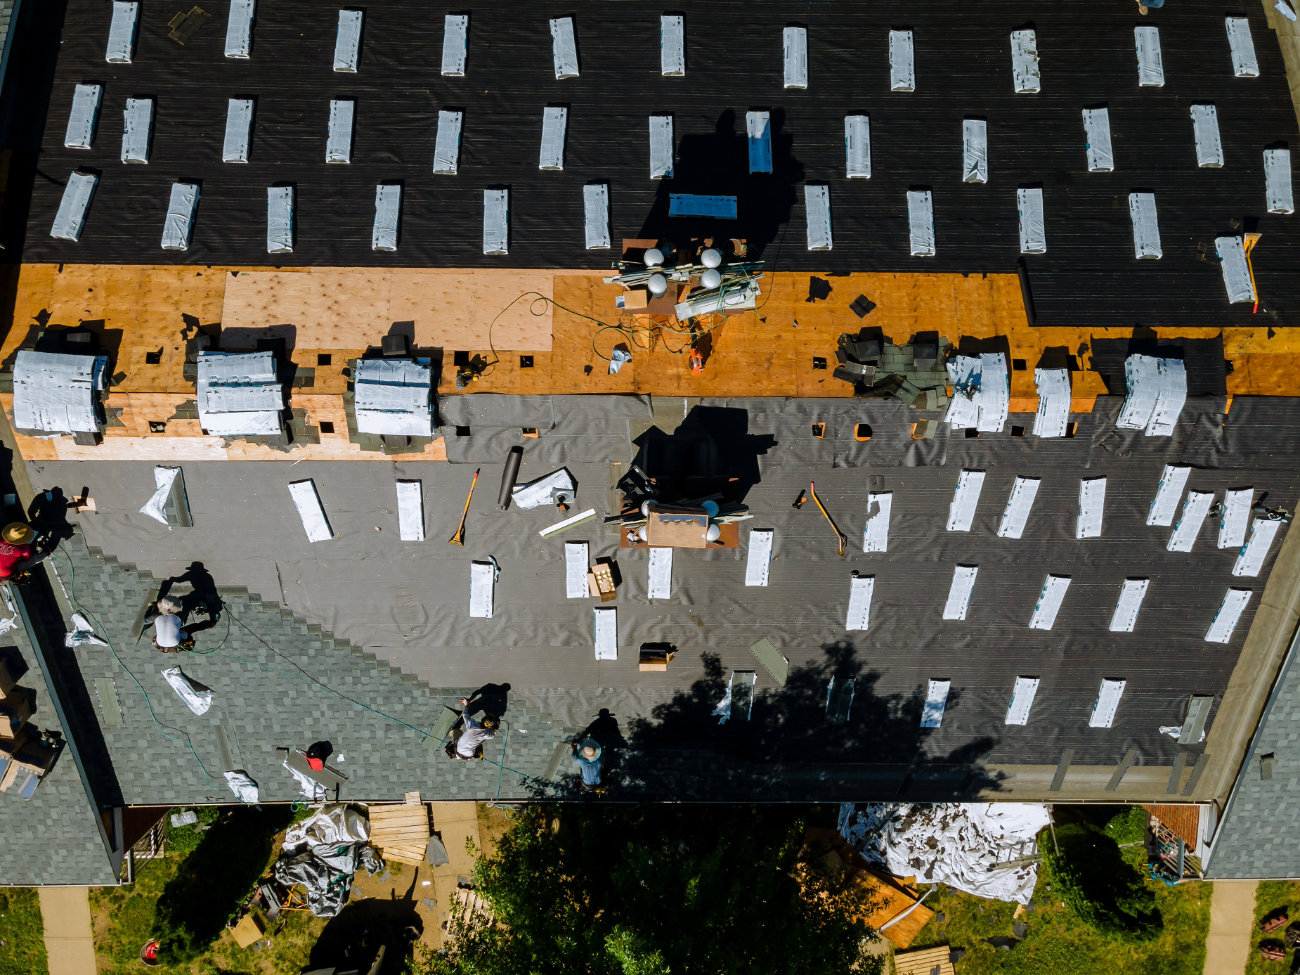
x,y
1107,894
1129,826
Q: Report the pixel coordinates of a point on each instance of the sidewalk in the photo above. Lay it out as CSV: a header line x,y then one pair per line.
x,y
65,912
1232,917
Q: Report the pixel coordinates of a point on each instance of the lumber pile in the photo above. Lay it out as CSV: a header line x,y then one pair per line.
x,y
400,831
924,961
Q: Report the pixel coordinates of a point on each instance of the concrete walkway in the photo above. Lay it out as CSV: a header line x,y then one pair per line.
x,y
68,939
1232,918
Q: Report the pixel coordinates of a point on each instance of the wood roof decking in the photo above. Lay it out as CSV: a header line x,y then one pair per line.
x,y
963,64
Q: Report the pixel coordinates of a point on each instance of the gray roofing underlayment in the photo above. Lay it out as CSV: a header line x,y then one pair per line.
x,y
406,603
733,63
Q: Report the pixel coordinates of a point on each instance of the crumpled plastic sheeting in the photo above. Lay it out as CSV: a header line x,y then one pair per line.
x,y
242,786
82,632
312,789
197,699
323,852
952,842
163,478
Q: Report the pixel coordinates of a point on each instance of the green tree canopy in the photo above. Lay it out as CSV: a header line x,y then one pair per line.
x,y
652,890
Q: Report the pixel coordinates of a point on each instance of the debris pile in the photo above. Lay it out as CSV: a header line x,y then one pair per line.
x,y
323,852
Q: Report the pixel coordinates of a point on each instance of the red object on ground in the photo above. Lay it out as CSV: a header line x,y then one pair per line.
x,y
316,764
697,362
151,951
11,555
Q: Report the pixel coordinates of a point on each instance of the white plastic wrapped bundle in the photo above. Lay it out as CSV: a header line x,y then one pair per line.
x,y
857,146
86,100
392,396
661,147
388,209
1101,157
1277,180
1236,272
239,127
1151,69
564,48
1244,62
279,220
975,151
595,215
137,126
920,222
902,63
1024,62
965,501
1053,414
239,29
1033,230
555,122
455,45
1205,129
338,147
71,216
121,32
1146,229
672,46
496,222
446,148
347,45
180,216
795,56
817,203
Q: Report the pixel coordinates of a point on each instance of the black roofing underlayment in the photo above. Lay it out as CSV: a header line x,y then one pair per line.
x,y
963,68
407,602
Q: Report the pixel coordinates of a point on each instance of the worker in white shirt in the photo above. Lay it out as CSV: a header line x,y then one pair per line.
x,y
168,636
470,743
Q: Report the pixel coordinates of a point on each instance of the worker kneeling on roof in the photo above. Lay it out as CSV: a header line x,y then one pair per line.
x,y
168,636
469,742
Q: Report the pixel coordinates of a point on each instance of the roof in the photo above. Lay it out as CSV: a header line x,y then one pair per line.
x,y
406,603
1263,811
734,62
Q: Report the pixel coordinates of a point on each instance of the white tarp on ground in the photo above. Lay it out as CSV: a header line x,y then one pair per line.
x,y
950,842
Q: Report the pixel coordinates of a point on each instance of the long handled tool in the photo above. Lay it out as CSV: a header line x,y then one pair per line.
x,y
1250,241
459,537
843,539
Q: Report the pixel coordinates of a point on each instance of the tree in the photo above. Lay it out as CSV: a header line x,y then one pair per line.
x,y
653,890
1107,894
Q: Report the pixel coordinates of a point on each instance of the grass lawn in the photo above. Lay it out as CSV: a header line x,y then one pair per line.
x,y
124,915
1271,895
1057,943
22,935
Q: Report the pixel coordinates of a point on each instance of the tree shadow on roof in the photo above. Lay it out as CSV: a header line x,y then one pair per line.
x,y
790,750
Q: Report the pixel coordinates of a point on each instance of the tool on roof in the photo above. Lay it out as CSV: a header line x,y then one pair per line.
x,y
1250,242
508,477
843,539
798,502
459,537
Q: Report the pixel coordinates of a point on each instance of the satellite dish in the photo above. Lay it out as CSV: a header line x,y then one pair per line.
x,y
658,284
711,278
654,257
711,257
713,532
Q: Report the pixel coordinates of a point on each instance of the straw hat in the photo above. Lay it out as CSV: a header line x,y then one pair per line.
x,y
17,533
169,606
590,750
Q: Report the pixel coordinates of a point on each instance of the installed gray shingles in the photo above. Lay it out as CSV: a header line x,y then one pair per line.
x,y
1256,838
269,703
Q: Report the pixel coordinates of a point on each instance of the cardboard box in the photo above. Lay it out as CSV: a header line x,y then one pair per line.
x,y
247,932
635,299
677,527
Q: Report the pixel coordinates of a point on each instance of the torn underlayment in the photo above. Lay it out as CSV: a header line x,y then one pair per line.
x,y
973,846
323,852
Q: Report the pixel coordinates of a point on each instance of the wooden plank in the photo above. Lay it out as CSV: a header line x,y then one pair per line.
x,y
924,961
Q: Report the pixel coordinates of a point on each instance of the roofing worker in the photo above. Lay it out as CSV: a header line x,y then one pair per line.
x,y
1145,5
589,757
470,743
18,551
168,637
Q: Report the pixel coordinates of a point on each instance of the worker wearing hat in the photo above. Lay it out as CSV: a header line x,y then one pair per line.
x,y
18,550
589,757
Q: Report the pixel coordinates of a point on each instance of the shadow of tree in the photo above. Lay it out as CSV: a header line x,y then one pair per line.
x,y
789,750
